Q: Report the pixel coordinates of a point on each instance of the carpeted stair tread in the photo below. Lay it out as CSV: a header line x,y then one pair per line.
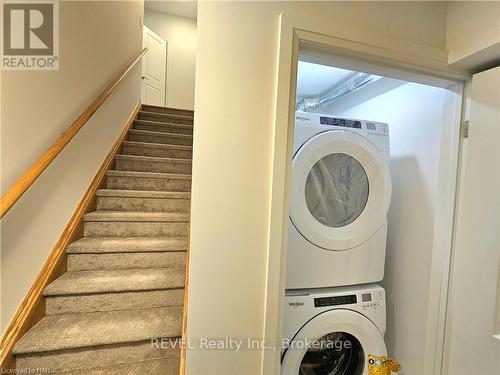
x,y
95,357
97,245
143,194
103,281
71,331
170,115
163,149
123,261
135,174
155,108
162,164
156,181
164,366
136,216
157,145
160,134
154,159
163,123
164,117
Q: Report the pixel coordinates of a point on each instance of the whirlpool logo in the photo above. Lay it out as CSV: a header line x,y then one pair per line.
x,y
295,304
302,118
30,39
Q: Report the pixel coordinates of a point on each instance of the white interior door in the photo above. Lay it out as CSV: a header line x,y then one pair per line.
x,y
153,69
473,319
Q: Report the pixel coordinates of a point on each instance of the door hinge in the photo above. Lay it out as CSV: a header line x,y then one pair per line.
x,y
466,129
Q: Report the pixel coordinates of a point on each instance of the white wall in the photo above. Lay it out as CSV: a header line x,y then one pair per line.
x,y
180,34
233,141
37,106
473,27
415,114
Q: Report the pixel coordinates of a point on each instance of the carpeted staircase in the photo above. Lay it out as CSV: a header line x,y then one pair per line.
x,y
125,278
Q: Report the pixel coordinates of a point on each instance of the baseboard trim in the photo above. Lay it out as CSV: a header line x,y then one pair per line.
x,y
182,364
32,308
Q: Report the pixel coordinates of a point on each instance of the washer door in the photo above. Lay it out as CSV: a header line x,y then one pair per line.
x,y
336,342
341,190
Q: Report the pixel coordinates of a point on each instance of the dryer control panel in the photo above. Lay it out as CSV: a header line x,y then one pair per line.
x,y
335,301
335,121
372,300
303,304
305,122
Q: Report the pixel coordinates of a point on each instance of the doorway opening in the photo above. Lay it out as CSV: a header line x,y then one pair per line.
x,y
421,110
168,71
405,121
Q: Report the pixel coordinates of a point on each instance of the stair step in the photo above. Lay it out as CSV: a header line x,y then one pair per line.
x,y
113,301
159,137
168,110
152,164
164,366
165,117
120,261
163,127
157,149
110,245
133,180
86,282
90,291
143,194
84,360
135,216
140,200
87,330
135,224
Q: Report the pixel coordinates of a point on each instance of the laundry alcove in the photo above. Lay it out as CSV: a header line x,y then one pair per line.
x,y
421,116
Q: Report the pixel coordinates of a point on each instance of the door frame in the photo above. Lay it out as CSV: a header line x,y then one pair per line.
x,y
468,106
302,36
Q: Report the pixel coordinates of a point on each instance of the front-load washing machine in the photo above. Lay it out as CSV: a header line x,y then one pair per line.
x,y
340,194
333,330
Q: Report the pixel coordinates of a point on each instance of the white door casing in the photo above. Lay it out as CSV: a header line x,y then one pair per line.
x,y
373,214
472,341
154,63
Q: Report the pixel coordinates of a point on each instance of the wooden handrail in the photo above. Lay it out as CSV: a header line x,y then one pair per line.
x,y
26,180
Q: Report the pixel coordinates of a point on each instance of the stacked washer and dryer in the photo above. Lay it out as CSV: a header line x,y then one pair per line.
x,y
335,314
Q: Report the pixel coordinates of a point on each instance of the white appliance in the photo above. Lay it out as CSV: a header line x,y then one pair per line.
x,y
333,330
340,194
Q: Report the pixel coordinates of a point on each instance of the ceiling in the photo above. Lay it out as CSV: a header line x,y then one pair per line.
x,y
183,8
315,79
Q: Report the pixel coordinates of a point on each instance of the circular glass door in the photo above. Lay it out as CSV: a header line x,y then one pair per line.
x,y
336,353
336,190
341,190
334,342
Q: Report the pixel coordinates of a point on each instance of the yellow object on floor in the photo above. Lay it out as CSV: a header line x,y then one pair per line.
x,y
382,365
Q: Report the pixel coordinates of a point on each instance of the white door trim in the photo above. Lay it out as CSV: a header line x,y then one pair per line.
x,y
389,57
480,102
